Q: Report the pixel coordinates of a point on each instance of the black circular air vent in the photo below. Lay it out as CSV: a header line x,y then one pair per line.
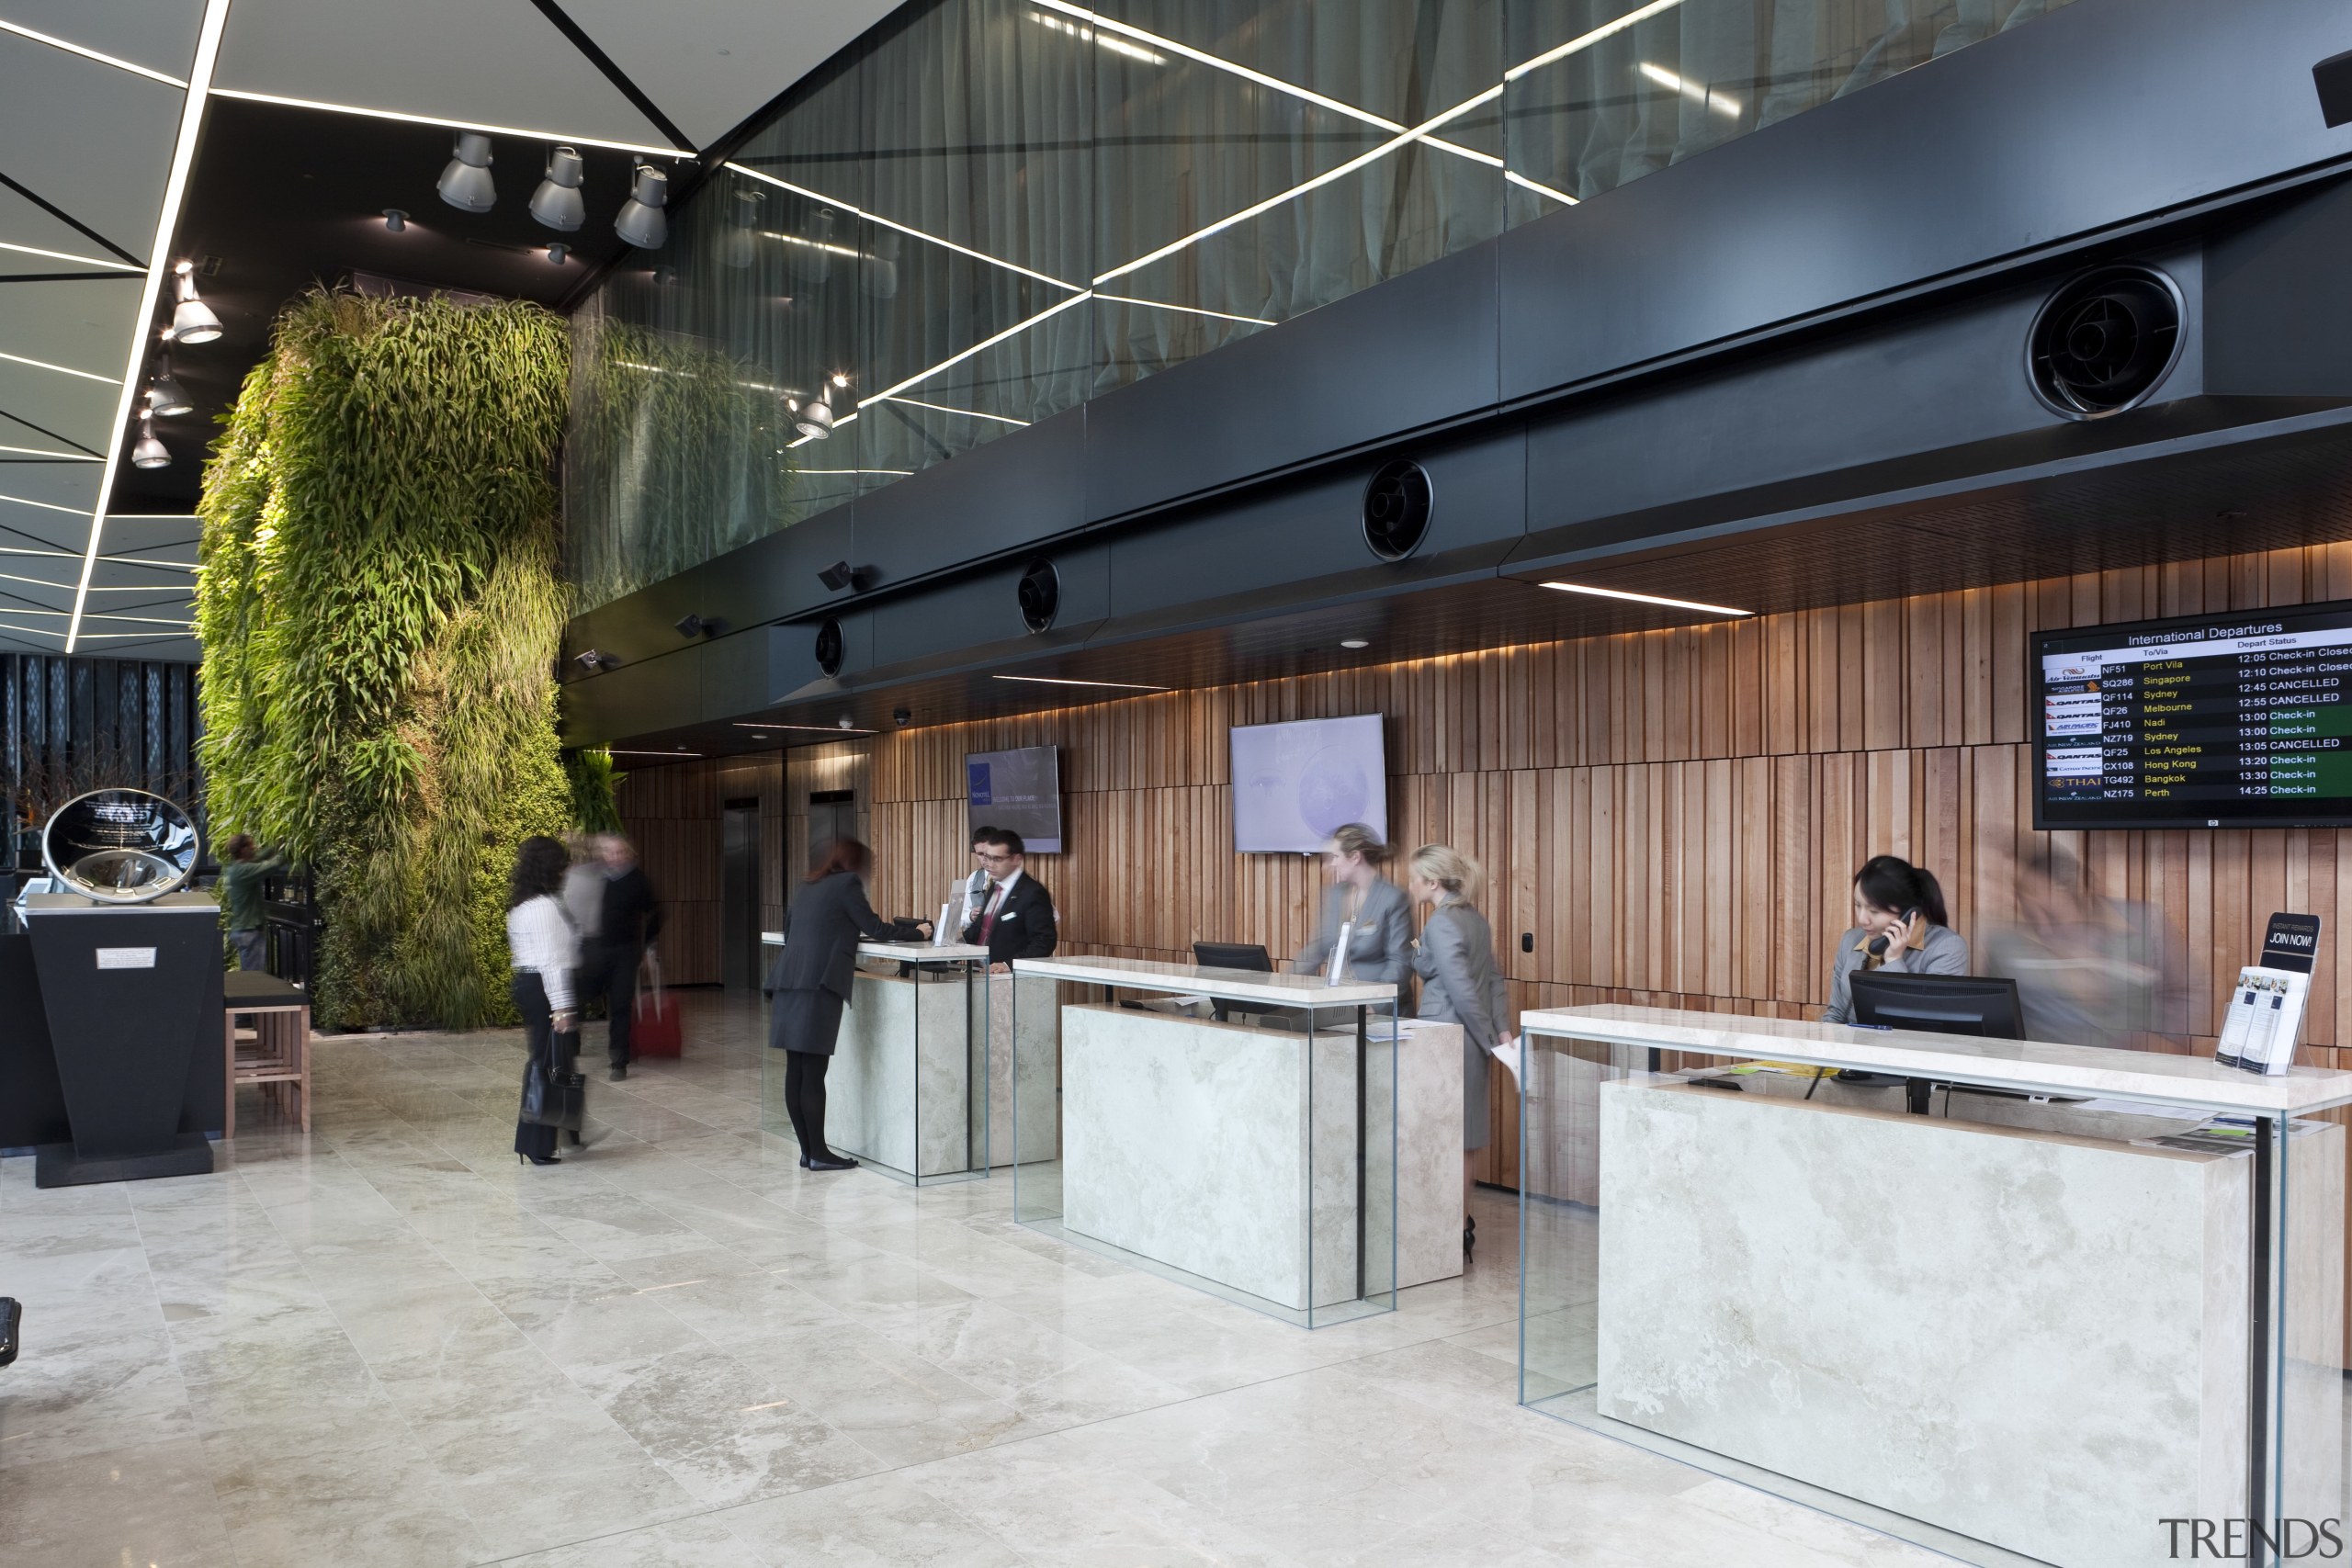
x,y
1041,594
2104,342
828,647
1396,509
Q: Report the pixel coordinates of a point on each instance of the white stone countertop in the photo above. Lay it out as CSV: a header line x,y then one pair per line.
x,y
1225,985
2034,1066
904,951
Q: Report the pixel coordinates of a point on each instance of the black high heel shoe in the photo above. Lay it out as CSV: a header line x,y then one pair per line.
x,y
538,1159
1469,1234
832,1162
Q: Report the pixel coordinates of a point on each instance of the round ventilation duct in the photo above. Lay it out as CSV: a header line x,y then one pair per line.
x,y
1396,509
828,647
2104,342
1041,594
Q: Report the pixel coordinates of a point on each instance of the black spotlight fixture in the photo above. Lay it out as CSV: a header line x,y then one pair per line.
x,y
902,717
829,647
2333,77
1396,509
1040,592
691,626
594,660
841,575
2103,343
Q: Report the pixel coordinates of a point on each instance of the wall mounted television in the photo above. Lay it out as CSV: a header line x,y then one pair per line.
x,y
1021,790
2231,720
1295,784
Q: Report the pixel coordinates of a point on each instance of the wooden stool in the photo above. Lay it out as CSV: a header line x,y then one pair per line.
x,y
279,1049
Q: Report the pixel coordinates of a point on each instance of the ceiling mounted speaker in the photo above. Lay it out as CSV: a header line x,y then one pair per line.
x,y
1396,509
828,647
1041,594
2104,342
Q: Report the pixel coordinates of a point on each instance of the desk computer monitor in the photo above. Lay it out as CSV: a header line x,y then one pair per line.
x,y
1233,956
1939,1004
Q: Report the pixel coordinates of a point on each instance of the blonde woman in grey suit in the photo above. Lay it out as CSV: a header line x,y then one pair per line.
x,y
1459,984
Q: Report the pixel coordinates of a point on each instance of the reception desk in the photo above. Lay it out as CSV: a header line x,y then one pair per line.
x,y
1270,1138
2039,1325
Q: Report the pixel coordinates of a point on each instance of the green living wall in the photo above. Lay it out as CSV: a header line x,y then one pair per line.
x,y
380,607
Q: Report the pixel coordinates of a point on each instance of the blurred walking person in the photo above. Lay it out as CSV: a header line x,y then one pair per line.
x,y
628,918
545,951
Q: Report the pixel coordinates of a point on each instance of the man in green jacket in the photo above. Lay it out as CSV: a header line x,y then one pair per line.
x,y
240,896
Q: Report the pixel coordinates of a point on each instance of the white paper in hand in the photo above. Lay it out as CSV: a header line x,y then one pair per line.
x,y
1509,1055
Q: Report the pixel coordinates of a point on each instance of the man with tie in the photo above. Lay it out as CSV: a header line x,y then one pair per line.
x,y
1016,916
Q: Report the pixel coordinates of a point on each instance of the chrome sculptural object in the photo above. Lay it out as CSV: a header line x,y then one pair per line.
x,y
119,846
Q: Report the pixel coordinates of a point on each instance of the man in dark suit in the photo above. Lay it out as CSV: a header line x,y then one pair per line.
x,y
1016,916
628,918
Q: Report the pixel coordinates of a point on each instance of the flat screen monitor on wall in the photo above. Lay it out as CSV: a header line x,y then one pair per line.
x,y
1021,790
2233,720
1294,784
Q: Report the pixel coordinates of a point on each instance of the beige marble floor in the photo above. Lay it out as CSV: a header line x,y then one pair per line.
x,y
388,1343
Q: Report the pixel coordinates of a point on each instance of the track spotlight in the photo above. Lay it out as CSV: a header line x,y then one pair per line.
x,y
814,417
192,320
149,453
557,251
164,394
692,627
742,246
556,203
841,575
395,220
464,184
640,221
593,659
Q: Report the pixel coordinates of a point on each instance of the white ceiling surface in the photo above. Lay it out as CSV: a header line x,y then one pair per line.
x,y
711,64
96,141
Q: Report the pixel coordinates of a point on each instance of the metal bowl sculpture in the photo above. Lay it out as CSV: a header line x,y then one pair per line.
x,y
119,846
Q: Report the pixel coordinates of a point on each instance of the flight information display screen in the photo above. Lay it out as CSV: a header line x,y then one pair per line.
x,y
2209,721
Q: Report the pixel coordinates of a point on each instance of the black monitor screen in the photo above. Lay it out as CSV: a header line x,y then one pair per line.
x,y
2205,721
1233,956
1939,1004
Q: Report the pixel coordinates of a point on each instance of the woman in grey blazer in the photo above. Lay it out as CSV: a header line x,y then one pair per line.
x,y
1456,959
810,982
1381,938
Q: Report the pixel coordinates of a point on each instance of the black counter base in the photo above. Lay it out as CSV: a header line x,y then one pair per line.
x,y
56,1165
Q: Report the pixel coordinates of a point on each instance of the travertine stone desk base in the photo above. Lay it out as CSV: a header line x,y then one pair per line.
x,y
1193,1144
1039,1081
871,1104
2033,1339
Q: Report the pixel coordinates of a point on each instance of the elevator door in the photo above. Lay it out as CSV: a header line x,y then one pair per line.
x,y
738,966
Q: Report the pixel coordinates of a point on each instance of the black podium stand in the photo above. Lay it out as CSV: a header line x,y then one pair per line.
x,y
132,995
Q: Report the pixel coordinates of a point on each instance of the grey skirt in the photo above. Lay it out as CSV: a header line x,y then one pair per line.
x,y
1477,1111
808,1022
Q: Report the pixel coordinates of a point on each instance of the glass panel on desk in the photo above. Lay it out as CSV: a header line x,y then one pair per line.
x,y
2010,1330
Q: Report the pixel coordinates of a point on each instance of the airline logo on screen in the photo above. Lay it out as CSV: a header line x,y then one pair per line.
x,y
976,779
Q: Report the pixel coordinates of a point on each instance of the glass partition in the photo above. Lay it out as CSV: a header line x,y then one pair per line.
x,y
1246,1150
987,211
2014,1330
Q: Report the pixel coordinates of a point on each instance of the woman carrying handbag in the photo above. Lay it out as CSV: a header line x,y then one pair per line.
x,y
545,952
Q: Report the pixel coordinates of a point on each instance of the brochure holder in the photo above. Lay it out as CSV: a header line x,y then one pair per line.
x,y
2265,1020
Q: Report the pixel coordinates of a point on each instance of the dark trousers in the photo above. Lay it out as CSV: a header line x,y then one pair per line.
x,y
616,980
539,1032
804,1099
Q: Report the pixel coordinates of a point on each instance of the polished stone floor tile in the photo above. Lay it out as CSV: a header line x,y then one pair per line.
x,y
386,1343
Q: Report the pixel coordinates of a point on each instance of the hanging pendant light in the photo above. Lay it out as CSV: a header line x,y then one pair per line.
x,y
556,203
814,417
640,221
149,453
164,395
192,320
466,184
741,247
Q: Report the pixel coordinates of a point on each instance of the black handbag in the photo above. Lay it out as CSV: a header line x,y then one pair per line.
x,y
555,1097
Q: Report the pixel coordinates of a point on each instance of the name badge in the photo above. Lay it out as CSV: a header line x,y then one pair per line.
x,y
126,958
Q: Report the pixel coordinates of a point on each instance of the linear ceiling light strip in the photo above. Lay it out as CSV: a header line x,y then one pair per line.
x,y
58,456
1013,331
207,54
1578,44
1218,62
61,369
71,48
69,220
943,408
1188,309
856,211
565,138
70,256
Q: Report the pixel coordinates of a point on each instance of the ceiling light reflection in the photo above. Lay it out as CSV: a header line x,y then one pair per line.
x,y
1705,97
1703,609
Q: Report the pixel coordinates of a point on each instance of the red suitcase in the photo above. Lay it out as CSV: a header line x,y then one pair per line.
x,y
654,1027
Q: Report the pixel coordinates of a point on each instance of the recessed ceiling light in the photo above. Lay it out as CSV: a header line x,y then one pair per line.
x,y
395,220
1353,642
1065,680
1648,599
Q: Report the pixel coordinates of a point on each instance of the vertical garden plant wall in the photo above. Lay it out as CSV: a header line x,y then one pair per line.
x,y
380,607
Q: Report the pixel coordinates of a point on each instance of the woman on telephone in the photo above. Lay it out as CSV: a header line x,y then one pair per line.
x,y
1899,926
